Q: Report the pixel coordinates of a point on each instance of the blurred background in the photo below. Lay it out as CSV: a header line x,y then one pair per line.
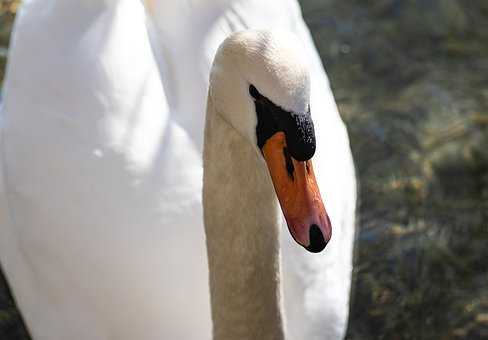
x,y
411,81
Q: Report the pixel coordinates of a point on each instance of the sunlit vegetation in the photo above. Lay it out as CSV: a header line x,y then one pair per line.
x,y
411,82
8,9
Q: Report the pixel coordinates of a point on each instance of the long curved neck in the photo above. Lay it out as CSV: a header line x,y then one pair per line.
x,y
242,230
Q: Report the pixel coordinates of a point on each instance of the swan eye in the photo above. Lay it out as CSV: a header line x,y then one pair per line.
x,y
266,116
254,92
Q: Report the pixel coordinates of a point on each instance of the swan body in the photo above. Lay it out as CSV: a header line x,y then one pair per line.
x,y
101,139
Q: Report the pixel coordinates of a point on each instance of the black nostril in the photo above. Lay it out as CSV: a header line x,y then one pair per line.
x,y
289,163
317,241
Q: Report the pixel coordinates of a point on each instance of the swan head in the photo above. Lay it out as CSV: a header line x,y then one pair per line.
x,y
260,85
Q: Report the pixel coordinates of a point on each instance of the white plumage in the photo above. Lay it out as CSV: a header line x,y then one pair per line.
x,y
101,234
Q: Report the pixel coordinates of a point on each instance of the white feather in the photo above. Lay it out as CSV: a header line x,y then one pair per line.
x,y
101,232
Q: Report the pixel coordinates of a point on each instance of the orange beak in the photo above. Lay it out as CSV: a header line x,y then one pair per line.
x,y
298,194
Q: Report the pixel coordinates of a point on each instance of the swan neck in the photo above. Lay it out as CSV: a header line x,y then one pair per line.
x,y
242,229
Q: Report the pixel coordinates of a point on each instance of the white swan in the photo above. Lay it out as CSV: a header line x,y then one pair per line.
x,y
101,235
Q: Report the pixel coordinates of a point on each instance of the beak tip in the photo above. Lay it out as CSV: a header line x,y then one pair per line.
x,y
317,239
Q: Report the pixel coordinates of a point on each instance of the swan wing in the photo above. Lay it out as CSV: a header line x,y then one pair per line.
x,y
102,184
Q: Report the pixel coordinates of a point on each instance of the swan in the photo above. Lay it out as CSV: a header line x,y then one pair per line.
x,y
102,138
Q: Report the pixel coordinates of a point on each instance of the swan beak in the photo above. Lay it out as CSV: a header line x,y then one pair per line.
x,y
298,194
